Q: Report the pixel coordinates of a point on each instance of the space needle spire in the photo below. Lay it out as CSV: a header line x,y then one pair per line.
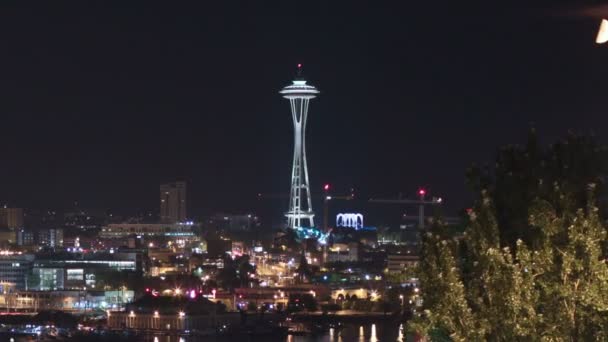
x,y
300,212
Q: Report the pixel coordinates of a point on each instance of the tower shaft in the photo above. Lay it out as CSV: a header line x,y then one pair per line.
x,y
299,213
300,203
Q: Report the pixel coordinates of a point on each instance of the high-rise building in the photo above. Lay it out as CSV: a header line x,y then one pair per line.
x,y
11,218
173,202
299,214
25,237
52,237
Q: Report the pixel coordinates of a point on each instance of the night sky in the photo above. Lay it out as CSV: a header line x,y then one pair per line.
x,y
101,103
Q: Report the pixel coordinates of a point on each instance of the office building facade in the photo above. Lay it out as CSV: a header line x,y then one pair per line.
x,y
173,202
14,271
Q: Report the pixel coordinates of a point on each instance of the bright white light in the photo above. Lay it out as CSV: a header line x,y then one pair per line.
x,y
602,34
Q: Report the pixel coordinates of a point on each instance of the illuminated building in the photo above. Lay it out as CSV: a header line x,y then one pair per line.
x,y
50,237
14,269
349,220
300,205
25,237
342,252
70,300
173,202
57,272
123,230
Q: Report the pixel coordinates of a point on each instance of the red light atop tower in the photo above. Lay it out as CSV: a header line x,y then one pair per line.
x,y
421,192
299,65
326,187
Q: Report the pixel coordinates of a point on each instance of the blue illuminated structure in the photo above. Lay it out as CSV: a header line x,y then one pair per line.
x,y
304,233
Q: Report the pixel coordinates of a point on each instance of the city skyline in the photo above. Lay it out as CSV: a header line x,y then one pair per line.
x,y
445,184
94,125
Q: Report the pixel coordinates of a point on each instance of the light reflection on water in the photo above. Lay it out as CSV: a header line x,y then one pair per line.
x,y
377,332
373,337
400,337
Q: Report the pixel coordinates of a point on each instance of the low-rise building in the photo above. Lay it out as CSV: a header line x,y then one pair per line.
x,y
123,230
401,262
14,270
66,300
74,272
342,252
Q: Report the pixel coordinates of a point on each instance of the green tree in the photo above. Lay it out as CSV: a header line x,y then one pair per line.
x,y
541,279
524,173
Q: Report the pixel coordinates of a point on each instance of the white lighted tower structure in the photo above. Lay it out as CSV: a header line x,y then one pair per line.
x,y
300,205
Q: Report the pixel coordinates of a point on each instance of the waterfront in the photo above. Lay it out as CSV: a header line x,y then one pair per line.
x,y
375,332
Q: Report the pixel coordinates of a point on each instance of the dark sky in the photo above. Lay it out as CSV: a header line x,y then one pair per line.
x,y
101,102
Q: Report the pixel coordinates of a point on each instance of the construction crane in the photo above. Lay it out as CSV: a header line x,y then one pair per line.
x,y
328,198
421,202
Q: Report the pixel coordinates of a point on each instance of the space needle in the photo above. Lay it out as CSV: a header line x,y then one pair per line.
x,y
300,212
